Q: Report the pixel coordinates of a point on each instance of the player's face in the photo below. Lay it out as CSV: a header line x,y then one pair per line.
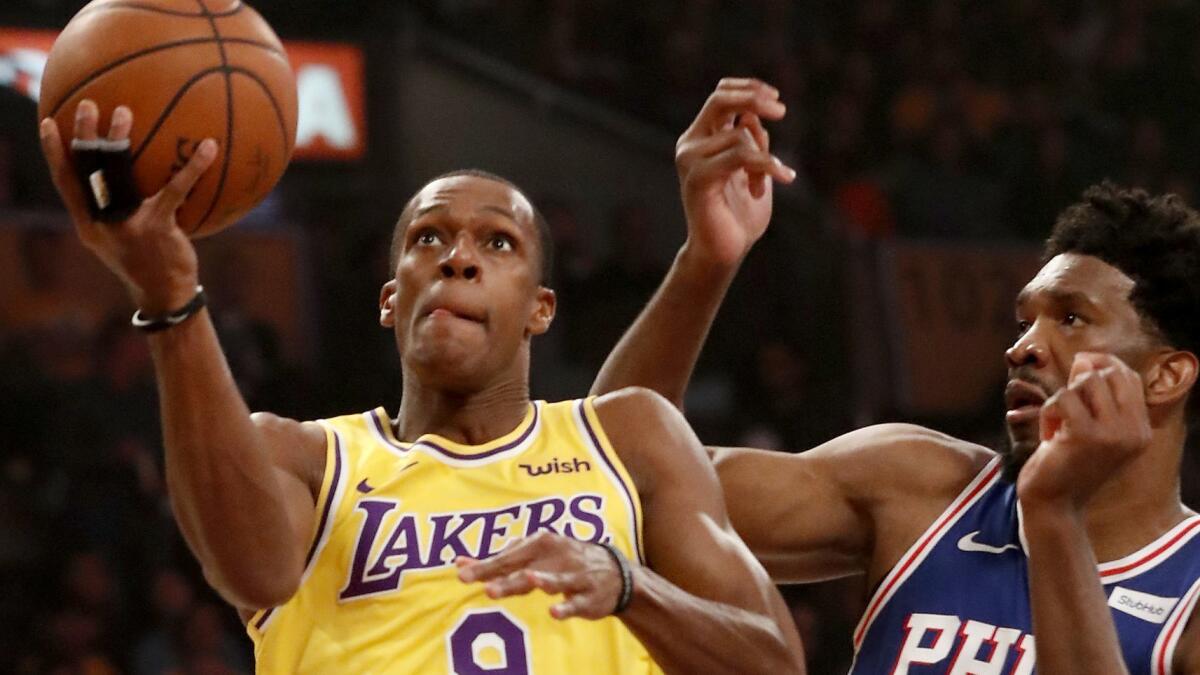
x,y
1075,303
466,295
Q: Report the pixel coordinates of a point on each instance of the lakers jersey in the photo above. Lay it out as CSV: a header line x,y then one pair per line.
x,y
958,600
380,592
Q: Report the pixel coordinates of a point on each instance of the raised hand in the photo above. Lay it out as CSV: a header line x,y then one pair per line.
x,y
726,169
584,573
1089,429
148,251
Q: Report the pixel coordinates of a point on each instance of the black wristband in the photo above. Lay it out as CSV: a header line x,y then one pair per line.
x,y
155,324
626,576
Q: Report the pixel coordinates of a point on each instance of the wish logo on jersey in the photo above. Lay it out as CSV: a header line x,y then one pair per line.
x,y
426,541
960,648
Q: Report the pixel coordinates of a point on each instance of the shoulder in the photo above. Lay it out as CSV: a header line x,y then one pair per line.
x,y
636,412
648,433
634,403
905,457
297,448
309,434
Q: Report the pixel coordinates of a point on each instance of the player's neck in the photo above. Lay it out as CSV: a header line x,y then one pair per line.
x,y
1142,502
470,418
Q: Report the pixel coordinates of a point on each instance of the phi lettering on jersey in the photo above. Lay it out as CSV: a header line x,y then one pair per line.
x,y
392,542
966,647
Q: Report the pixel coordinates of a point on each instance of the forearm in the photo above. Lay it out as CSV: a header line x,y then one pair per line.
x,y
1071,620
222,484
688,634
660,350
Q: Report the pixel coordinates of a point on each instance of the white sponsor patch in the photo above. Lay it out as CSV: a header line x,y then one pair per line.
x,y
1144,606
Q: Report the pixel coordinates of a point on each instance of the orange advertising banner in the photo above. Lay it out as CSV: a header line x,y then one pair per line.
x,y
329,80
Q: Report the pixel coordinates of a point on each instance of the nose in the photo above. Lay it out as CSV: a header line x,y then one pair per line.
x,y
460,261
1029,350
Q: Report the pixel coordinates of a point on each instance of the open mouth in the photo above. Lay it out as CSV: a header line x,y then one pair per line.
x,y
1024,400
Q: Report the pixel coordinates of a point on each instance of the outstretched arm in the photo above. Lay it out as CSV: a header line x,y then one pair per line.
x,y
242,491
726,172
702,603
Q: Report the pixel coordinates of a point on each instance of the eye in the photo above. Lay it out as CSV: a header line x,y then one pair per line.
x,y
1022,327
501,242
1072,319
426,237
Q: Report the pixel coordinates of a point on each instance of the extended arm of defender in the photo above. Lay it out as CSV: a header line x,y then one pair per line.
x,y
660,349
704,604
726,175
245,515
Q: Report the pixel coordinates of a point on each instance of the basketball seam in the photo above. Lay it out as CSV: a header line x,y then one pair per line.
x,y
270,98
152,50
171,106
160,10
229,117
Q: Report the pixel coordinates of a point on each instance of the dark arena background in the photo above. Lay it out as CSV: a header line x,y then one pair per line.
x,y
935,140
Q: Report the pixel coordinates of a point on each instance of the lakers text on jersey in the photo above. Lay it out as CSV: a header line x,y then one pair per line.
x,y
380,593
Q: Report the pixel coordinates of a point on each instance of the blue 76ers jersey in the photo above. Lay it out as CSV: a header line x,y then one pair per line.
x,y
957,602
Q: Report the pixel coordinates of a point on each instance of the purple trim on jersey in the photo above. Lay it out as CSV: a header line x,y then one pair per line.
x,y
458,455
383,433
329,499
587,425
263,619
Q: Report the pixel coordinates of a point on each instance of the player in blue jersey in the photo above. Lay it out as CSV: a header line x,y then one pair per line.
x,y
964,580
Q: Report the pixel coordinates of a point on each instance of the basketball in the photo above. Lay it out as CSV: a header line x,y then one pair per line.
x,y
189,70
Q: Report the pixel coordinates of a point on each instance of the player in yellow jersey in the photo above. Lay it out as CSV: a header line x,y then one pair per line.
x,y
476,531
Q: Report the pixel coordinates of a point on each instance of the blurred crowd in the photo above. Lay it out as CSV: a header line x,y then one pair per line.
x,y
914,119
918,118
94,577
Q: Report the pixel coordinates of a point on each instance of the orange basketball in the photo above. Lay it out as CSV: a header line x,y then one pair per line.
x,y
189,70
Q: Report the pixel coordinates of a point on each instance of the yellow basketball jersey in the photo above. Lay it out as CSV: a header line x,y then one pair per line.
x,y
380,593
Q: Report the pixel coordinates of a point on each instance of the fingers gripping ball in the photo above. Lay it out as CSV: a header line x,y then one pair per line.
x,y
189,70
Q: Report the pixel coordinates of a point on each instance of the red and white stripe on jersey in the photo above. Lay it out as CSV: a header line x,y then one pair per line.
x,y
917,553
1150,555
1168,639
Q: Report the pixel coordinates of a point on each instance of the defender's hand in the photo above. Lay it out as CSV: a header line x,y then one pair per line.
x,y
1089,429
148,252
726,170
584,573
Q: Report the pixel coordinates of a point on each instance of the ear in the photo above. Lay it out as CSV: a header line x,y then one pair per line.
x,y
387,304
545,304
1170,377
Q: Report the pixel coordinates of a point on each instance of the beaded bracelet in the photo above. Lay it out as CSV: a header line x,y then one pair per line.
x,y
626,577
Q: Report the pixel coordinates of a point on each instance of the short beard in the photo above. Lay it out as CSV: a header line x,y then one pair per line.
x,y
1013,459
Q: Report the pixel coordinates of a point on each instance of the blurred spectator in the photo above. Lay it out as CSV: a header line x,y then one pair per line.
x,y
158,649
879,82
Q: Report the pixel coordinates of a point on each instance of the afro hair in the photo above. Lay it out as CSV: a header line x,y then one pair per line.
x,y
1154,240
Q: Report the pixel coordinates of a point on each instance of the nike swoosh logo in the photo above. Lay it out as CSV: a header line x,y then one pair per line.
x,y
363,487
968,544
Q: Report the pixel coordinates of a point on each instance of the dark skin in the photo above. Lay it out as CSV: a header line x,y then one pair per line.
x,y
465,301
1097,417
